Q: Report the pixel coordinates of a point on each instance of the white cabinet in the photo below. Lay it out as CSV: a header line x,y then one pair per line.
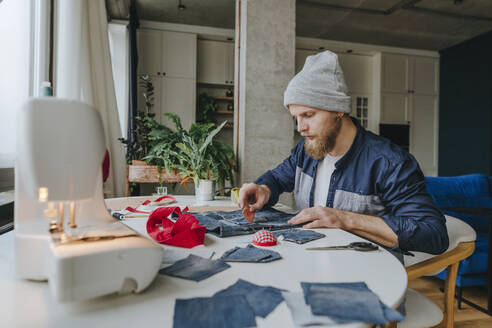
x,y
409,95
170,59
395,108
409,74
401,78
170,54
394,73
424,132
179,98
179,55
425,76
215,62
230,63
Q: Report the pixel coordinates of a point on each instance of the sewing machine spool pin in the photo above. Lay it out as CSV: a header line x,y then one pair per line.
x,y
61,211
72,215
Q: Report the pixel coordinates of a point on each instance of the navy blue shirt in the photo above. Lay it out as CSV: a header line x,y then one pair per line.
x,y
375,177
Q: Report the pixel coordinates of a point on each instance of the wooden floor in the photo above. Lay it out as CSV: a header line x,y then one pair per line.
x,y
466,317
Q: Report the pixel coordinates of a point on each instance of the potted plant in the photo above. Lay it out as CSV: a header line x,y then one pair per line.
x,y
195,163
197,156
162,154
148,134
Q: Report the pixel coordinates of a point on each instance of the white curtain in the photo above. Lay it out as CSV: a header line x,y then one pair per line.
x,y
83,72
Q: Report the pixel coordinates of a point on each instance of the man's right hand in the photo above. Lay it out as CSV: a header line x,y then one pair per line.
x,y
253,197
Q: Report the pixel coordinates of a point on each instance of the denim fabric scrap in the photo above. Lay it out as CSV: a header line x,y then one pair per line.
x,y
195,268
348,302
250,254
213,312
301,312
262,299
233,223
299,236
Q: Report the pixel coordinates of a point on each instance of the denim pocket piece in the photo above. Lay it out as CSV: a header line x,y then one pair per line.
x,y
195,268
213,312
262,299
250,254
348,302
299,236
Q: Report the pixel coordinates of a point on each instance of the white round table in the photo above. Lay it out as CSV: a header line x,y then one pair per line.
x,y
27,303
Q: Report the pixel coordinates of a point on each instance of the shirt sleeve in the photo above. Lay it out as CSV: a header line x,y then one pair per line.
x,y
282,178
412,214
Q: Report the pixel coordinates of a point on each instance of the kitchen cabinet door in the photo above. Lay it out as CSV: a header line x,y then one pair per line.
x,y
230,63
178,55
425,76
178,96
424,132
394,108
395,73
149,45
213,62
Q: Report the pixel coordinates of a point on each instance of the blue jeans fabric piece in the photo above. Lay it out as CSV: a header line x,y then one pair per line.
x,y
213,312
250,254
348,302
195,268
299,236
262,299
233,223
301,312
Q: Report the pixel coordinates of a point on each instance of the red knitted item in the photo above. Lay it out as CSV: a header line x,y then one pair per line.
x,y
185,232
264,238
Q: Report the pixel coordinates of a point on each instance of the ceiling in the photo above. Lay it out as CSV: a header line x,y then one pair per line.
x,y
419,24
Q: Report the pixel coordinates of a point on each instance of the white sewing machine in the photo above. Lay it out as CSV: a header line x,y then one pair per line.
x,y
63,231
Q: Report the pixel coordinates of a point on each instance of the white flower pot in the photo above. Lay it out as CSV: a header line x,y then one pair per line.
x,y
205,190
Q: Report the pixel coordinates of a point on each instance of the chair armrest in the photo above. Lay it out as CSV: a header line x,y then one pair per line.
x,y
460,252
470,210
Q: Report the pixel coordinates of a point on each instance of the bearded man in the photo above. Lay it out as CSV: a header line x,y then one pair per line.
x,y
346,177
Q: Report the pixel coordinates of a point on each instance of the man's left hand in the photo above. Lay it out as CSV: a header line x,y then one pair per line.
x,y
320,217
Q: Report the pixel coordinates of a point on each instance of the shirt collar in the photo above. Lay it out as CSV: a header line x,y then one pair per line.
x,y
355,147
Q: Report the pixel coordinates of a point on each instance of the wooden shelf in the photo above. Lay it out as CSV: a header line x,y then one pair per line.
x,y
227,112
224,98
216,85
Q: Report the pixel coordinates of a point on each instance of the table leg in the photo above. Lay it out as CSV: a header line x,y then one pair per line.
x,y
489,270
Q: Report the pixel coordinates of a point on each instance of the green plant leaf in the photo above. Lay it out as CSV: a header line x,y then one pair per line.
x,y
211,136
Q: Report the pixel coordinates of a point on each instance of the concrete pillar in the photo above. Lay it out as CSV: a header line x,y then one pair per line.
x,y
266,57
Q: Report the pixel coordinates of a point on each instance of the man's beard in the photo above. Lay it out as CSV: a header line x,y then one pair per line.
x,y
318,149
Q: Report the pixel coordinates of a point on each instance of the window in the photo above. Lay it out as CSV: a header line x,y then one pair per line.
x,y
16,70
360,109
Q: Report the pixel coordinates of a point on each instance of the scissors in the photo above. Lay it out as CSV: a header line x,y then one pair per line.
x,y
356,246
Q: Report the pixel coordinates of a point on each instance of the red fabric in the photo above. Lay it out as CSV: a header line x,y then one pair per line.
x,y
264,238
185,232
105,166
131,209
159,199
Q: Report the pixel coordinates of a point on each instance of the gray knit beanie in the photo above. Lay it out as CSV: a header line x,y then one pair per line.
x,y
320,84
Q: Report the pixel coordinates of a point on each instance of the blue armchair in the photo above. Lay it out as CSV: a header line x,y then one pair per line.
x,y
468,192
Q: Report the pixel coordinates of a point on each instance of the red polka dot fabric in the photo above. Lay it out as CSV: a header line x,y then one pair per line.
x,y
264,238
